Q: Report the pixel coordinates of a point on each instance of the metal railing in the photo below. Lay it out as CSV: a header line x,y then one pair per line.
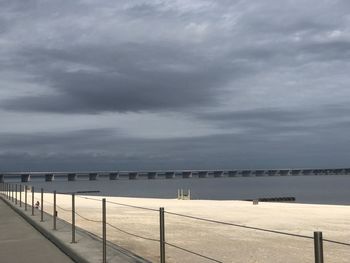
x,y
13,193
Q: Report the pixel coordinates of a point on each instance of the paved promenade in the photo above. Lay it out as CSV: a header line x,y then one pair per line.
x,y
20,242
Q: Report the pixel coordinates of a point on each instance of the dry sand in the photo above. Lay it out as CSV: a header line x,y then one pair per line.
x,y
222,242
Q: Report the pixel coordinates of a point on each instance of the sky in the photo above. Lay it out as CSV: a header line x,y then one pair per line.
x,y
174,84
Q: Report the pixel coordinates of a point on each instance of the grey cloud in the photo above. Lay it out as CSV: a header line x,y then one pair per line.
x,y
132,78
98,57
206,152
269,122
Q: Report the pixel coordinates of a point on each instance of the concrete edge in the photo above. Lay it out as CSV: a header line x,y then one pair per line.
x,y
57,242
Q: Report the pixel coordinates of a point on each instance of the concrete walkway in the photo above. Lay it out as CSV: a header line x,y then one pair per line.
x,y
20,242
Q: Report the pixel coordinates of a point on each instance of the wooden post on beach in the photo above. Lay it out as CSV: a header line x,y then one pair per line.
x,y
318,247
12,192
54,210
42,206
104,233
32,200
162,235
73,218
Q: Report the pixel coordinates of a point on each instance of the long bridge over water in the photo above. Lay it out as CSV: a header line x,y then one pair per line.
x,y
167,174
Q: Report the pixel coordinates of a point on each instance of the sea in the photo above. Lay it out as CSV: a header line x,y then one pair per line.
x,y
327,189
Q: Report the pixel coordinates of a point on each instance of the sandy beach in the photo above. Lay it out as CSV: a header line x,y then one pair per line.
x,y
225,243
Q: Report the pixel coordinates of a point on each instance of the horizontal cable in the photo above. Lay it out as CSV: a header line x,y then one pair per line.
x,y
121,204
336,242
237,225
191,252
131,234
255,228
67,210
87,219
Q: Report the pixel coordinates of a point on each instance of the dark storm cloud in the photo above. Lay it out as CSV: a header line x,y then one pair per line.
x,y
164,75
225,151
129,77
247,84
276,122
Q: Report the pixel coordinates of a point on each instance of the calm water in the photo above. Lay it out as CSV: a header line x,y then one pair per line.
x,y
307,189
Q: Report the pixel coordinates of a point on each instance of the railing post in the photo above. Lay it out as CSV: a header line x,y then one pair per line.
x,y
12,192
32,200
25,197
16,194
104,233
318,247
20,195
73,218
42,206
162,235
54,210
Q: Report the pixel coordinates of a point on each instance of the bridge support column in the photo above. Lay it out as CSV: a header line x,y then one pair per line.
x,y
203,174
169,175
232,173
133,175
246,173
259,172
49,177
218,174
25,178
71,177
93,176
284,172
113,176
151,175
186,174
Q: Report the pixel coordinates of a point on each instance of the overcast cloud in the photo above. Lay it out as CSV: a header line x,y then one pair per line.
x,y
174,84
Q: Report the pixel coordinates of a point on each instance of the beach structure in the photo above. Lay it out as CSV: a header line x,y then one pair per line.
x,y
132,175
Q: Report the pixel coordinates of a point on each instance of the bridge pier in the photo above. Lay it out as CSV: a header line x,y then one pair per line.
x,y
186,174
307,172
151,175
259,172
272,172
113,176
169,175
71,177
295,172
203,174
284,172
49,177
246,173
232,173
339,171
133,175
218,174
93,176
25,178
